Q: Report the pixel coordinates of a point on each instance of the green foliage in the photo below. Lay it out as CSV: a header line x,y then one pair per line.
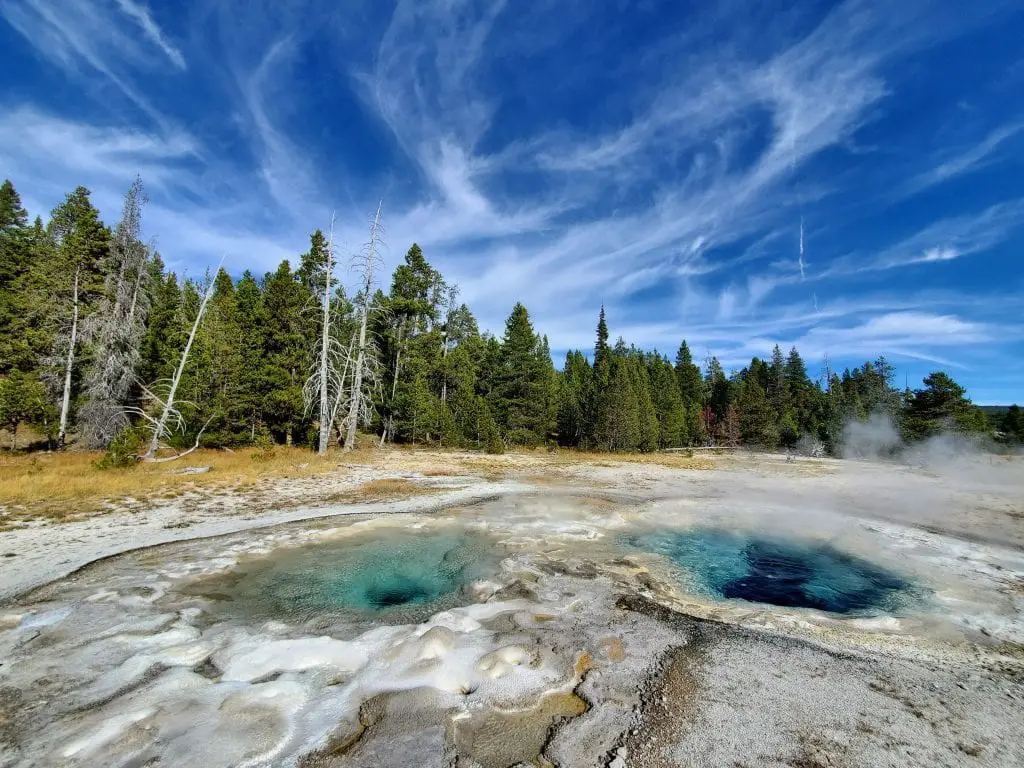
x,y
440,380
941,405
124,450
264,445
1012,423
22,401
522,394
757,420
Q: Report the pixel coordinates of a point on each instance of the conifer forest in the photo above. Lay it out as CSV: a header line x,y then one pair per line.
x,y
102,347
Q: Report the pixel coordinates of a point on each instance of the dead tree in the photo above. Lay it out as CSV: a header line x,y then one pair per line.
x,y
324,389
170,418
359,404
65,399
326,414
117,329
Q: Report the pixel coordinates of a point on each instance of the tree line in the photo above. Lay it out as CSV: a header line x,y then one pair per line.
x,y
101,344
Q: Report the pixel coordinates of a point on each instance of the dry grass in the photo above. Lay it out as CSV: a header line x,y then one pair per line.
x,y
676,460
385,489
68,484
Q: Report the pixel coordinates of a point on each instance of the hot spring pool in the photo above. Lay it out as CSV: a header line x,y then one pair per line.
x,y
783,572
394,575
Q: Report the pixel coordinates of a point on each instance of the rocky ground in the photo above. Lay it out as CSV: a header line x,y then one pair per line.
x,y
573,652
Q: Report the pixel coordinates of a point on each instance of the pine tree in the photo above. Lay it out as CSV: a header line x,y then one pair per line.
x,y
520,398
1012,423
757,419
941,405
667,401
575,398
801,393
688,378
217,367
776,384
16,259
412,308
164,334
252,323
289,329
601,351
74,279
22,401
648,427
718,396
618,426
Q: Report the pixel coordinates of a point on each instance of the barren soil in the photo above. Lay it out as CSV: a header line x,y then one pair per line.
x,y
116,648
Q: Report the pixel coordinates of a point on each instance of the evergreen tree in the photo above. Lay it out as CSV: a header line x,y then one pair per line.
x,y
688,377
648,426
601,350
520,399
618,426
164,333
802,395
16,259
73,278
1013,422
288,335
757,421
668,402
252,324
22,401
941,405
574,403
414,350
717,389
776,384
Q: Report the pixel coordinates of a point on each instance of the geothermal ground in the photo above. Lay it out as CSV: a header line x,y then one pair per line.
x,y
530,611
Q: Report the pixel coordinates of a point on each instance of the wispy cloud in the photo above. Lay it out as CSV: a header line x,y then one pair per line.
x,y
963,161
943,240
85,37
676,199
156,35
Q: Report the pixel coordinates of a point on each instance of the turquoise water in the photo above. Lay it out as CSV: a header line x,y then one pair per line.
x,y
784,572
394,573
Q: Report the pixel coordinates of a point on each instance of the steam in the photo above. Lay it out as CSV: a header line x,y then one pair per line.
x,y
875,438
878,437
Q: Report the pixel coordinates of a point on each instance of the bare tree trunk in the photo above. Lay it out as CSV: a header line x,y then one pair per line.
x,y
357,376
65,404
326,417
168,409
135,293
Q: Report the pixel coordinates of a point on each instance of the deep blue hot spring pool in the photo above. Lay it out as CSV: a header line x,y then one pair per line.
x,y
786,572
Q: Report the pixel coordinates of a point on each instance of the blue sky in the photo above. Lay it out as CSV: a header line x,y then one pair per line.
x,y
657,157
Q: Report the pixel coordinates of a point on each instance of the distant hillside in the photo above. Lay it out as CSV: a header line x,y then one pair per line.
x,y
994,412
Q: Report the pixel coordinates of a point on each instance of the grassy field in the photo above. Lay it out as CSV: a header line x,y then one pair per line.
x,y
65,484
60,486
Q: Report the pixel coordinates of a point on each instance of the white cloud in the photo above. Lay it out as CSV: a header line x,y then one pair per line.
x,y
684,197
940,253
84,37
156,35
964,161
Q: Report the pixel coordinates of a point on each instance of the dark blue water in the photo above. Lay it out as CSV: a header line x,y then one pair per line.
x,y
785,572
402,574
